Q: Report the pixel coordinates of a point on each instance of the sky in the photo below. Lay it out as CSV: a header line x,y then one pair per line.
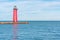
x,y
31,10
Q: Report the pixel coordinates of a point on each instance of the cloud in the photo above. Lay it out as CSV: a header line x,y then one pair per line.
x,y
29,10
27,0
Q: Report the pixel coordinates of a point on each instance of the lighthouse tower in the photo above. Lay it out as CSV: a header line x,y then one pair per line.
x,y
15,14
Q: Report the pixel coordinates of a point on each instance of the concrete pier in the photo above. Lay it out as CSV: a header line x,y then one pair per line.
x,y
14,23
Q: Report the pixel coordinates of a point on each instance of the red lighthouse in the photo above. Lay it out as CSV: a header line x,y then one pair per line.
x,y
15,14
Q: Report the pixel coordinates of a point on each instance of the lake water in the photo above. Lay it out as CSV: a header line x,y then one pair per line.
x,y
35,30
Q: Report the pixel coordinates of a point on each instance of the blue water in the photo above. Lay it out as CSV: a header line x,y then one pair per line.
x,y
35,30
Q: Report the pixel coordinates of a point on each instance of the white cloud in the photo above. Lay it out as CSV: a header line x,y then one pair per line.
x,y
29,10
